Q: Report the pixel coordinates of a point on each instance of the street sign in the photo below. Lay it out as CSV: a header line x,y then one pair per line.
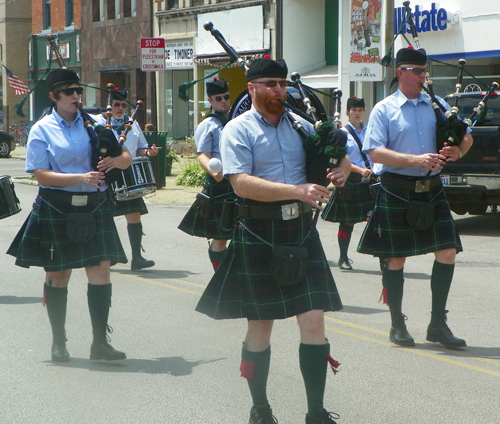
x,y
152,54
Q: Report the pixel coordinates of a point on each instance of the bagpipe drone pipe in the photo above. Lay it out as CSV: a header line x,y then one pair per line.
x,y
326,147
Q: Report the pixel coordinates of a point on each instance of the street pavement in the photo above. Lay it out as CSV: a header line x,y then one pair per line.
x,y
183,367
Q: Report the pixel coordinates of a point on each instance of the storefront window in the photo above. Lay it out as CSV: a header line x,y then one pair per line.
x,y
178,115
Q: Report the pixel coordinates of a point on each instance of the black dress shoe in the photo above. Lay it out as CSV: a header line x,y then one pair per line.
x,y
399,334
345,264
59,352
140,263
444,336
262,415
322,417
105,351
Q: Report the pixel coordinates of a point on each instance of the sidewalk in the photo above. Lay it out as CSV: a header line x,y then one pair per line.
x,y
171,194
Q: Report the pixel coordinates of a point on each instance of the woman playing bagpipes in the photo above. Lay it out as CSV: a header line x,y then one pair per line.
x,y
71,224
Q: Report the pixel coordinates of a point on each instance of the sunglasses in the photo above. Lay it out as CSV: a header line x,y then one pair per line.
x,y
416,71
123,105
225,97
272,83
70,90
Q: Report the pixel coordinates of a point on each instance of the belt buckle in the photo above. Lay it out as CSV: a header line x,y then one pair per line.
x,y
422,188
77,200
290,211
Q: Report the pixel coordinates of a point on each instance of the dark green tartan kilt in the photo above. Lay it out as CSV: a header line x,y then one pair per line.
x,y
125,207
195,225
242,286
387,233
42,240
354,210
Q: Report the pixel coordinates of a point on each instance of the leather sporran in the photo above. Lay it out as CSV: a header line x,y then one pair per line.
x,y
345,193
80,227
204,205
420,215
289,264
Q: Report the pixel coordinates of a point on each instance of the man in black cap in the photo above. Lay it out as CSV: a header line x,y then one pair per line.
x,y
275,266
132,208
353,202
411,215
203,218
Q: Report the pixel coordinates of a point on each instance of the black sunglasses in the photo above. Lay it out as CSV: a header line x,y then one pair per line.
x,y
225,96
70,90
272,83
416,71
120,104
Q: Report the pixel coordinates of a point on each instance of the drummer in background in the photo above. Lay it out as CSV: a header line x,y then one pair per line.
x,y
59,154
203,218
355,206
132,209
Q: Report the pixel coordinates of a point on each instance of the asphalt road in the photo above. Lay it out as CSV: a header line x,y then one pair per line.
x,y
183,368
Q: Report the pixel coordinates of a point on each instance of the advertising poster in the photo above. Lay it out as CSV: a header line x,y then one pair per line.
x,y
366,38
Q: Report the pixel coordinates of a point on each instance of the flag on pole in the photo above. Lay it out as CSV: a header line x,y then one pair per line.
x,y
19,87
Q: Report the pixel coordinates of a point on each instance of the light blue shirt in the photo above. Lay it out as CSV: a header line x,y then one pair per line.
x,y
396,123
352,147
251,145
63,148
135,137
207,135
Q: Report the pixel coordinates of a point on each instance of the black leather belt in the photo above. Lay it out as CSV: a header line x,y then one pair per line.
x,y
71,198
410,183
283,212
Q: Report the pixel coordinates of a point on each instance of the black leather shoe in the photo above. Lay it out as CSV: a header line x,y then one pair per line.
x,y
140,263
399,334
345,264
59,352
105,351
262,415
321,417
444,336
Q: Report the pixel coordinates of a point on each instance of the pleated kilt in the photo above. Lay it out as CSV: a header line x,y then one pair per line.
x,y
42,240
195,225
125,207
387,233
354,210
243,287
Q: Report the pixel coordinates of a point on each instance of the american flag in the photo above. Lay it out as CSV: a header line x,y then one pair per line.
x,y
16,84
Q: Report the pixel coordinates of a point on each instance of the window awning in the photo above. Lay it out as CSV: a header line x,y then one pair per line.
x,y
326,77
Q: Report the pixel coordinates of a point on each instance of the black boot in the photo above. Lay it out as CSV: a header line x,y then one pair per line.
x,y
135,237
99,300
56,299
438,331
393,282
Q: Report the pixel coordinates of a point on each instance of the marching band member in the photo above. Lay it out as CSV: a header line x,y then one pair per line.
x,y
203,218
133,208
411,216
352,205
264,159
71,224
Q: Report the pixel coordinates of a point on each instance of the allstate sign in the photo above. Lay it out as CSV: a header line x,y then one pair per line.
x,y
434,19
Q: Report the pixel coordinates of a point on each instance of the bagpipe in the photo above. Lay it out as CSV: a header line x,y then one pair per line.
x,y
326,147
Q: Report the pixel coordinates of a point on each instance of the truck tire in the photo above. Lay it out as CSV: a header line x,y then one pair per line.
x,y
459,208
478,209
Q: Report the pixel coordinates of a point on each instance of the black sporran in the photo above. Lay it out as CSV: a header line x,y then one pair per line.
x,y
420,215
289,264
80,227
204,205
345,193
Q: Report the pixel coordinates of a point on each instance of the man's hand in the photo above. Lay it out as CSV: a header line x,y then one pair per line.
x,y
432,161
337,176
452,153
106,164
314,194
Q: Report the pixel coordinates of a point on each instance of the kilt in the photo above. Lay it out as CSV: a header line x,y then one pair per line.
x,y
124,207
354,210
242,286
194,225
387,233
42,240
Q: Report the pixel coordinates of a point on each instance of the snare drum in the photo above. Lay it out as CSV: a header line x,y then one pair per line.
x,y
9,203
135,181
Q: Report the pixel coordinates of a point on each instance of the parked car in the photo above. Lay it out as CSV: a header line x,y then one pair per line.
x,y
472,183
7,144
